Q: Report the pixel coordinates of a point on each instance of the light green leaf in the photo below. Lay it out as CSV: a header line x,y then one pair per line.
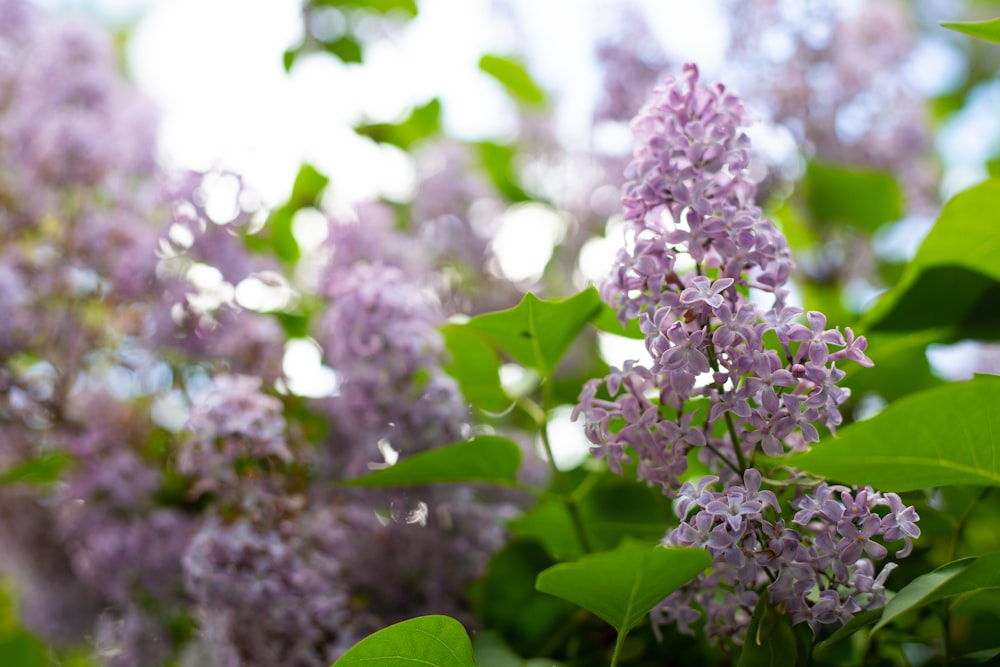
x,y
623,585
475,364
988,30
863,198
488,459
277,234
966,575
432,641
514,77
770,640
498,160
42,469
421,123
954,279
944,436
537,333
406,7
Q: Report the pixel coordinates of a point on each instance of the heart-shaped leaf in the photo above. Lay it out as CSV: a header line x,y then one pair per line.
x,y
430,641
623,585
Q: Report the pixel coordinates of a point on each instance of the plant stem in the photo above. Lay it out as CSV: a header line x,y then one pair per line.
x,y
619,642
541,417
567,493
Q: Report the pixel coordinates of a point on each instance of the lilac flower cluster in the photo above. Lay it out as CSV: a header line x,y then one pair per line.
x,y
729,379
235,429
689,200
380,335
820,567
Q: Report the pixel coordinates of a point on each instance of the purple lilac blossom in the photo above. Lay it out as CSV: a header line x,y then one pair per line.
x,y
695,249
380,335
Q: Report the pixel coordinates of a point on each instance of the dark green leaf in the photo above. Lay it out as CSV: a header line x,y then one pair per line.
x,y
498,161
345,48
537,333
988,30
980,657
23,650
770,640
490,650
433,641
863,198
944,436
954,279
488,458
860,621
475,364
42,469
967,575
623,585
421,123
514,77
507,601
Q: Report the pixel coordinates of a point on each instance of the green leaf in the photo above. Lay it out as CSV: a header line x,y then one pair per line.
x,y
623,585
421,123
499,162
277,233
944,436
289,57
42,469
956,272
966,575
901,365
858,622
488,458
438,641
863,198
490,650
770,640
537,333
988,30
475,364
308,187
507,601
514,77
408,7
345,48
23,650
607,321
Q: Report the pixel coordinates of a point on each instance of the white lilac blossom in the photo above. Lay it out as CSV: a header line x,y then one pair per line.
x,y
731,379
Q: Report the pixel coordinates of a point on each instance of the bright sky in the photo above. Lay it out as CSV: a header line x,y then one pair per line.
x,y
214,67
